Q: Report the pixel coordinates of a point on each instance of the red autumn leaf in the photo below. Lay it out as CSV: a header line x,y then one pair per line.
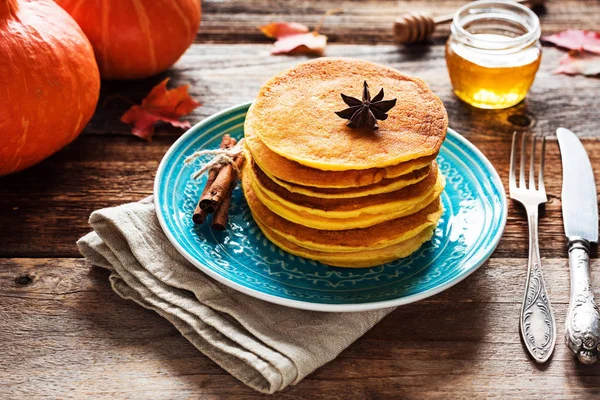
x,y
575,39
163,105
294,38
578,62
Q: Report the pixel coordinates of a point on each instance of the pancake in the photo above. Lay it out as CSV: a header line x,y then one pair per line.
x,y
294,116
333,220
351,240
358,259
347,207
385,186
278,167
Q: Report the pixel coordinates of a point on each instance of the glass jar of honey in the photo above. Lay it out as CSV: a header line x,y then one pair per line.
x,y
493,53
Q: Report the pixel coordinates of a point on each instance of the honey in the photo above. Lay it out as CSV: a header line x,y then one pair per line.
x,y
493,53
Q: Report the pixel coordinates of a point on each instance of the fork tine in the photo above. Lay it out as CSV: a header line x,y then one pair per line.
x,y
532,165
522,166
541,186
512,180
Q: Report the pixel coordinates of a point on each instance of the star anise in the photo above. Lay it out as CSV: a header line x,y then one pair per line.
x,y
366,112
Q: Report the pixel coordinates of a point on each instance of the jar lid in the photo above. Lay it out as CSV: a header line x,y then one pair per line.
x,y
517,26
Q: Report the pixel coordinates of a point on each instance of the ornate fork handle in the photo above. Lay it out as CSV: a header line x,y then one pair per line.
x,y
538,326
582,332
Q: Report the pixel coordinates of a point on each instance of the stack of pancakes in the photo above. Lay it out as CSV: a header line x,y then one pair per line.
x,y
345,197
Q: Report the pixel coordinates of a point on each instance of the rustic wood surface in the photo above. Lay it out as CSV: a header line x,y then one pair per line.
x,y
65,334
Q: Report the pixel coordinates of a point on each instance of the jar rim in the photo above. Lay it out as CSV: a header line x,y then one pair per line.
x,y
533,32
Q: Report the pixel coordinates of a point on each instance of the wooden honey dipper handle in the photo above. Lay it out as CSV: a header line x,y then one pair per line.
x,y
416,26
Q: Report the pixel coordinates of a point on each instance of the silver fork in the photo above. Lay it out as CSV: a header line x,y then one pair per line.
x,y
538,327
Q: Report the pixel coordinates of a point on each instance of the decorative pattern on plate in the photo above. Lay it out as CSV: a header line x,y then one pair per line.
x,y
474,217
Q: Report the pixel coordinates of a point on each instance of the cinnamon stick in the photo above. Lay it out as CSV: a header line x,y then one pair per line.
x,y
211,200
221,215
199,214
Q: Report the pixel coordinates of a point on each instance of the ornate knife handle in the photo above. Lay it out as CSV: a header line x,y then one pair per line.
x,y
582,332
538,326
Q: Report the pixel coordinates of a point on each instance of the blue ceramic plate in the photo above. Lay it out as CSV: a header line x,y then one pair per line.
x,y
242,258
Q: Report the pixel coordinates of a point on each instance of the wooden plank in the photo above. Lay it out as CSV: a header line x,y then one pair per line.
x,y
65,334
44,210
222,76
236,21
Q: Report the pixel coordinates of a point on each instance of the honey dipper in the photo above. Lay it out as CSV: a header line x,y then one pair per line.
x,y
415,27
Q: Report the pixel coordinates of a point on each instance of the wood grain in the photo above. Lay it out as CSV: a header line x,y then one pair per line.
x,y
66,334
45,216
364,22
222,76
44,210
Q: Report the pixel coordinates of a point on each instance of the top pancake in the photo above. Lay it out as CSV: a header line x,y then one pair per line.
x,y
294,116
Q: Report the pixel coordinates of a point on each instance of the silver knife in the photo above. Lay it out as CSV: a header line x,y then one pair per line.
x,y
580,217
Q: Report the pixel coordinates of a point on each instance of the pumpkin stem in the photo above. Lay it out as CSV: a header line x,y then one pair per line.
x,y
8,7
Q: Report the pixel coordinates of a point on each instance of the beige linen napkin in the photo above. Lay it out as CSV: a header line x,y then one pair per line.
x,y
266,346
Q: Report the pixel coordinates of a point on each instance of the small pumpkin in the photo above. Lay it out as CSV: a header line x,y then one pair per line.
x,y
136,38
49,82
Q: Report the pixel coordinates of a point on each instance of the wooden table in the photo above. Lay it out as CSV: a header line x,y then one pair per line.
x,y
65,334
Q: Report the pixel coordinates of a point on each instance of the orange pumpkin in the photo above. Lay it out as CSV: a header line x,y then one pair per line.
x,y
49,82
136,38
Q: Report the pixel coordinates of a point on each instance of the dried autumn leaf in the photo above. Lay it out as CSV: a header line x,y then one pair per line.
x,y
579,63
161,104
575,39
307,43
294,38
278,30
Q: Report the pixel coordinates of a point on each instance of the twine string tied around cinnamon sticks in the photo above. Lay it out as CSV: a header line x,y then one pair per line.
x,y
221,158
223,172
